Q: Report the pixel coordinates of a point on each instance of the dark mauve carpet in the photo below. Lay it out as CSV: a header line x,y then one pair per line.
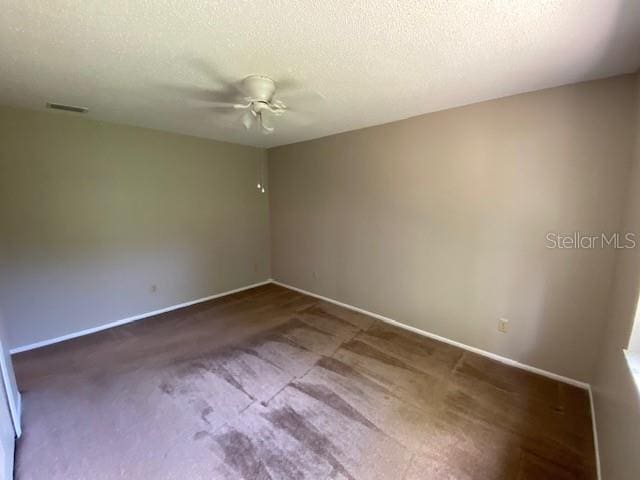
x,y
272,384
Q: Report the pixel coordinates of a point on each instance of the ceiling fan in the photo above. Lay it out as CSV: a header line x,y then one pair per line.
x,y
260,97
258,102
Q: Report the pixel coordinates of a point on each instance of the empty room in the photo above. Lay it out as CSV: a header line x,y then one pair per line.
x,y
301,240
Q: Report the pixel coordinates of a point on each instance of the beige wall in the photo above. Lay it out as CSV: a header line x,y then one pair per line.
x,y
439,221
92,214
617,402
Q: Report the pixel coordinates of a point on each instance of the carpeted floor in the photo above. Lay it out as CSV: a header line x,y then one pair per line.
x,y
272,384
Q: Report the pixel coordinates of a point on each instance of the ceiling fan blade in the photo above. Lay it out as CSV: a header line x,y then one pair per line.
x,y
296,98
222,105
189,92
210,72
248,119
207,97
295,118
287,83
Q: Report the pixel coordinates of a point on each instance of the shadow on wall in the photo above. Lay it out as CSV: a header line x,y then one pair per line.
x,y
620,21
616,396
542,287
544,293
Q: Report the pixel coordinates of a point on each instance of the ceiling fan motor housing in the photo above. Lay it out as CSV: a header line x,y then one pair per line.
x,y
259,87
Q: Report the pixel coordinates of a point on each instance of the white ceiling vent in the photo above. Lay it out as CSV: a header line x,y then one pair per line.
x,y
67,108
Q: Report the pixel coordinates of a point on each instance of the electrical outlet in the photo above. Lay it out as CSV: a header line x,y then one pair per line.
x,y
314,275
503,325
154,288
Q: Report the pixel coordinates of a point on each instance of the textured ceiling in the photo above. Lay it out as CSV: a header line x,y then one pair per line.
x,y
354,63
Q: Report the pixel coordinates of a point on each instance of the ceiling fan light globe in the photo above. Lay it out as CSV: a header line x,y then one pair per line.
x,y
247,119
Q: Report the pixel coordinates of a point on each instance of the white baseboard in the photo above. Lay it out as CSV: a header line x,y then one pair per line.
x,y
595,433
116,323
499,358
493,356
